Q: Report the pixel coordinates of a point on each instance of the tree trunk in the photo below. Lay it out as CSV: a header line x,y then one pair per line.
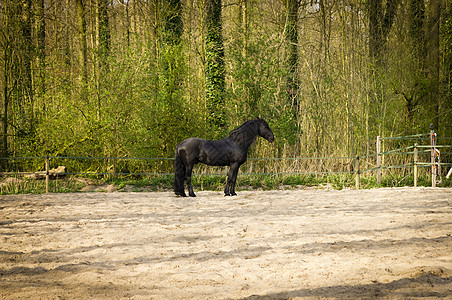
x,y
244,24
380,23
103,48
27,77
6,59
432,38
292,61
215,67
416,33
416,30
173,21
103,33
41,37
81,21
6,71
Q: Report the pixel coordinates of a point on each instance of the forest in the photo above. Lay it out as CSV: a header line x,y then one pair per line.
x,y
133,78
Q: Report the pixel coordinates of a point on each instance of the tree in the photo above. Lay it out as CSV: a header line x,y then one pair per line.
x,y
81,26
27,124
171,73
172,19
446,31
416,29
381,19
40,48
215,68
292,60
6,43
243,21
18,92
104,38
103,49
380,23
432,58
416,33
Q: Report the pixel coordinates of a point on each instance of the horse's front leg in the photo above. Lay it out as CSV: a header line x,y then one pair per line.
x,y
188,179
232,178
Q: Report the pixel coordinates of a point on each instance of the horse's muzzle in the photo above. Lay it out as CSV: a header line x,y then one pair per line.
x,y
271,138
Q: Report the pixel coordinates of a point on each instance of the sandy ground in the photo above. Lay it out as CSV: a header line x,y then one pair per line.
x,y
307,244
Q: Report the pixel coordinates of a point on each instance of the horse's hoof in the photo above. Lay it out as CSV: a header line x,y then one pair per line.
x,y
192,195
180,194
233,194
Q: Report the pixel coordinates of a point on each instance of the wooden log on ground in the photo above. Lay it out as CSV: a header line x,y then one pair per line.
x,y
53,174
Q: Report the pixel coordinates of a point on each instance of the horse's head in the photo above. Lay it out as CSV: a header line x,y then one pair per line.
x,y
265,131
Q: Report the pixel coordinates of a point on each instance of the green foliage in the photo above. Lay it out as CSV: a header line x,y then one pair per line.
x,y
255,74
159,74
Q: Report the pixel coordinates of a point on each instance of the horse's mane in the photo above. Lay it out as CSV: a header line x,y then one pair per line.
x,y
246,133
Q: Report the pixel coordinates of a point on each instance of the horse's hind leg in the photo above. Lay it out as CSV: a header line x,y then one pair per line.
x,y
179,177
188,179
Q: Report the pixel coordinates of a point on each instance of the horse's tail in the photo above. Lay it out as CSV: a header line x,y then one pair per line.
x,y
179,175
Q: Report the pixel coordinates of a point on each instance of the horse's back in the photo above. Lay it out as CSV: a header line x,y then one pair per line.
x,y
189,148
189,144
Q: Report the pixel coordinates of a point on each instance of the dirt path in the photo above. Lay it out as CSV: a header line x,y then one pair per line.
x,y
258,245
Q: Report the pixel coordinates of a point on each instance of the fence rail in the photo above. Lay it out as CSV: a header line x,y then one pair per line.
x,y
354,162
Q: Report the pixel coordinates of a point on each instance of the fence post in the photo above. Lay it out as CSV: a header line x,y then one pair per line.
x,y
358,181
378,160
432,154
47,172
415,164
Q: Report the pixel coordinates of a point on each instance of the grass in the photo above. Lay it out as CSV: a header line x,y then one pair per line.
x,y
18,185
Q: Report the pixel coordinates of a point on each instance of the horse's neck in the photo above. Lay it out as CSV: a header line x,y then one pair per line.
x,y
243,139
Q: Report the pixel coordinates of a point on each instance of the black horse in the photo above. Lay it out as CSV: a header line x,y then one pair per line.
x,y
230,151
